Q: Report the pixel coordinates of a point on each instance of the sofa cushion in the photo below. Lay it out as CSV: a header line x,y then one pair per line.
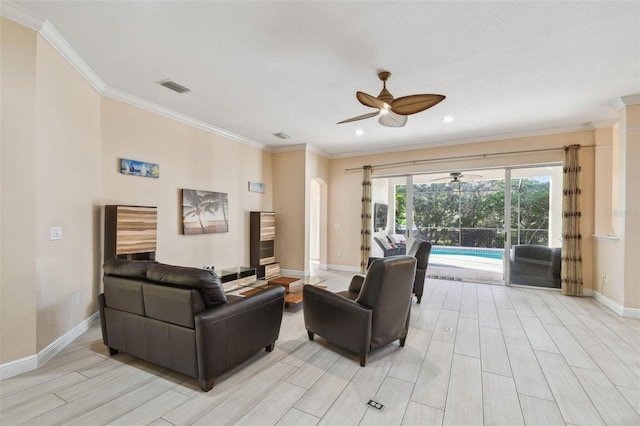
x,y
172,304
207,282
128,268
124,294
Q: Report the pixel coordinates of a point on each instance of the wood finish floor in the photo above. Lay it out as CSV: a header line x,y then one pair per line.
x,y
475,354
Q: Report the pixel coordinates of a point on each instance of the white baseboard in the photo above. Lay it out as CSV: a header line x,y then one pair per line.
x,y
292,272
346,268
615,307
22,365
19,366
587,292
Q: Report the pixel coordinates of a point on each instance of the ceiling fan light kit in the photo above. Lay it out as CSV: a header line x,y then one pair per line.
x,y
393,112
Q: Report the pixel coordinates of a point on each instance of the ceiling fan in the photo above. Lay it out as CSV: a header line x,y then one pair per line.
x,y
393,112
457,177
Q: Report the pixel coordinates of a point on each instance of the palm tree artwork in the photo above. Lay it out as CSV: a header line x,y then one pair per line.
x,y
204,212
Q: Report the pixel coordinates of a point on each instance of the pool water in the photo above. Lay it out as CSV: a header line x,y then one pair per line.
x,y
488,253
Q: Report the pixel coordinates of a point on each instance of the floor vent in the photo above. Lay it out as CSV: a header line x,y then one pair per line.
x,y
172,85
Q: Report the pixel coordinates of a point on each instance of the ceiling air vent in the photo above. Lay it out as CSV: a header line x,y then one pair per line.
x,y
174,86
282,135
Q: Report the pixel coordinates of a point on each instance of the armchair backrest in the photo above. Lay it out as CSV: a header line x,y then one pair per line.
x,y
387,291
421,250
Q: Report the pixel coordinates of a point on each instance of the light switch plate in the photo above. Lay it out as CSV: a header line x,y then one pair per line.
x,y
56,233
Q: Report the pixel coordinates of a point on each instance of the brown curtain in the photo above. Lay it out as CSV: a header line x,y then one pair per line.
x,y
571,237
365,230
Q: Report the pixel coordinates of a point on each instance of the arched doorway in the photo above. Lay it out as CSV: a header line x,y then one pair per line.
x,y
317,226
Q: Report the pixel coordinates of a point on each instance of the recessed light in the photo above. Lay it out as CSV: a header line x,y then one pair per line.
x,y
447,119
359,132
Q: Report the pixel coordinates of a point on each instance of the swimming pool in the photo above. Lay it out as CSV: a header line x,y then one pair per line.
x,y
489,253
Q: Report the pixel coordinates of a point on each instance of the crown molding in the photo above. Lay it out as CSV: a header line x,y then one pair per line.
x,y
57,41
604,124
626,101
287,148
166,112
486,138
17,14
316,150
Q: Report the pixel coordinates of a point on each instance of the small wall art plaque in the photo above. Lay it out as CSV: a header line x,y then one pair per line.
x,y
139,168
256,187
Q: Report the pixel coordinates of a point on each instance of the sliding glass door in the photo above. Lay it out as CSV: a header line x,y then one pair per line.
x,y
465,215
536,226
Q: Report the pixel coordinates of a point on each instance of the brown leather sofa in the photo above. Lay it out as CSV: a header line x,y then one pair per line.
x,y
180,318
372,313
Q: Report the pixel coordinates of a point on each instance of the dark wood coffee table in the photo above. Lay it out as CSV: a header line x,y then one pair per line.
x,y
293,288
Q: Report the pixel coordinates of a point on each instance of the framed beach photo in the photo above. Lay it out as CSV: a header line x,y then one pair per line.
x,y
204,212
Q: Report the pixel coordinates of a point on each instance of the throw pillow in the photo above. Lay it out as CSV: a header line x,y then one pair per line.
x,y
384,243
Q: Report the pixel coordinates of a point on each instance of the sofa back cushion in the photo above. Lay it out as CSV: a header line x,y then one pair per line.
x,y
175,305
124,294
206,282
128,268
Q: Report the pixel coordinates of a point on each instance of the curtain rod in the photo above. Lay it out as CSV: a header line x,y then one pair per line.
x,y
461,157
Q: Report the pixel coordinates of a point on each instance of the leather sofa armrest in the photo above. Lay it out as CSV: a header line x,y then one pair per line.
x,y
337,319
228,334
356,283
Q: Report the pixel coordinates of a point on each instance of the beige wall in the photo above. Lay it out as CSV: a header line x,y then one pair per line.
x,y
603,181
617,259
189,158
629,203
18,188
345,202
317,170
289,204
68,175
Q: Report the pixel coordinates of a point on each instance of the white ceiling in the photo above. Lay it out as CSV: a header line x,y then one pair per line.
x,y
256,68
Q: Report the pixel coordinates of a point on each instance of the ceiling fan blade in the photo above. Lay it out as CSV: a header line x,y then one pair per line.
x,y
407,105
371,101
389,119
442,179
469,178
360,117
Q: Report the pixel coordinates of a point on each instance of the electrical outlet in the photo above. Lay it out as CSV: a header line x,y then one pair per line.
x,y
78,298
56,233
339,253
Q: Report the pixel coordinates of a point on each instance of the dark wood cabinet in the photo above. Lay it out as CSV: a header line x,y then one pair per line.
x,y
130,232
262,244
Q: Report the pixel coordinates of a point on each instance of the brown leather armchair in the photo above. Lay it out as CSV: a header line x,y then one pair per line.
x,y
421,250
372,313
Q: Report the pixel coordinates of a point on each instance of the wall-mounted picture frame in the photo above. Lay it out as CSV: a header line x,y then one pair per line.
x,y
204,212
256,187
139,168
